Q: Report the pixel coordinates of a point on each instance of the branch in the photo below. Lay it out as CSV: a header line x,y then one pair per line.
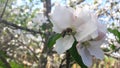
x,y
47,5
4,9
19,27
67,59
107,54
115,50
62,63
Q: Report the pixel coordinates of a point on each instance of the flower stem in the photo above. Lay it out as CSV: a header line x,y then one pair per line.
x,y
67,59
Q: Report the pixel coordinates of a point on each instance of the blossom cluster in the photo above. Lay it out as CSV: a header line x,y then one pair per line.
x,y
81,25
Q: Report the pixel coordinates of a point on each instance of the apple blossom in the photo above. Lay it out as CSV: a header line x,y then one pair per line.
x,y
82,25
90,48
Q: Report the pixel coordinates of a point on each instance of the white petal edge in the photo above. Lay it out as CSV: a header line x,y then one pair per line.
x,y
85,30
81,16
62,17
95,49
63,44
85,55
57,29
102,27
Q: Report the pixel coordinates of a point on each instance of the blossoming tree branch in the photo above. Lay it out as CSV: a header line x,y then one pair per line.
x,y
72,33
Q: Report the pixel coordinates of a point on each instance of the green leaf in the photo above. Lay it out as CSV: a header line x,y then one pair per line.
x,y
16,65
2,65
2,53
30,0
116,33
76,56
112,46
52,39
106,49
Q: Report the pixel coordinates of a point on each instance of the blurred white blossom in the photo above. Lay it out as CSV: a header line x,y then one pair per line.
x,y
38,21
30,25
32,37
40,18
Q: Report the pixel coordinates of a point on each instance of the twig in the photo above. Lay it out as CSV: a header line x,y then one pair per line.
x,y
118,58
4,9
117,49
19,27
110,52
61,63
67,59
47,5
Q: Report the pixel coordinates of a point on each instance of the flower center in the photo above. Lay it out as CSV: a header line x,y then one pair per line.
x,y
86,43
68,31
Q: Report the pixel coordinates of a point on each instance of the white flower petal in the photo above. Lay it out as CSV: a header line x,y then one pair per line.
x,y
57,29
83,14
102,27
85,30
62,16
102,30
94,34
101,36
64,44
85,55
95,49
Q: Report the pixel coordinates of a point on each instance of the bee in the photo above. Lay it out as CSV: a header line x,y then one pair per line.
x,y
67,31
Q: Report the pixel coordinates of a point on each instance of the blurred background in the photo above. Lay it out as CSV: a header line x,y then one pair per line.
x,y
25,29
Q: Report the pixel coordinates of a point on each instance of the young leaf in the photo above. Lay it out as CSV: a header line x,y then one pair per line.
x,y
116,33
52,39
76,56
112,46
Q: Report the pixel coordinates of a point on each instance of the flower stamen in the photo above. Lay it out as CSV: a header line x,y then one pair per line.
x,y
86,43
68,31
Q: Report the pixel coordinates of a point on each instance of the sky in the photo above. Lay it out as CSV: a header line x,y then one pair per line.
x,y
22,2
